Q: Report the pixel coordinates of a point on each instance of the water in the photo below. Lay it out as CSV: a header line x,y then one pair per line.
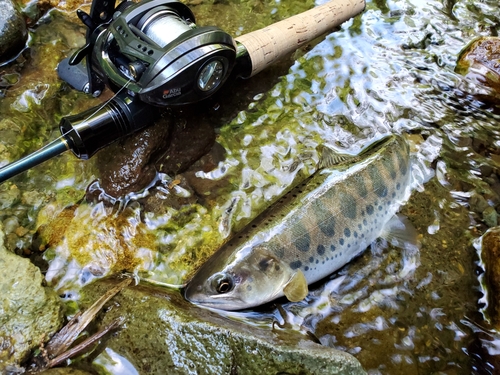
x,y
389,70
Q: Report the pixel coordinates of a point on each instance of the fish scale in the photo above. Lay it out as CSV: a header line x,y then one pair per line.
x,y
315,229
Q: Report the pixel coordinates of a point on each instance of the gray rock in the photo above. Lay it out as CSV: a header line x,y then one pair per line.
x,y
164,334
13,32
490,217
29,313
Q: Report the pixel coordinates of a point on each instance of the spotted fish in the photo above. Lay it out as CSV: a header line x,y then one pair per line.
x,y
313,230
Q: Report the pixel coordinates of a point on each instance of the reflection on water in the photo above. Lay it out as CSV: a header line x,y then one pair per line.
x,y
399,311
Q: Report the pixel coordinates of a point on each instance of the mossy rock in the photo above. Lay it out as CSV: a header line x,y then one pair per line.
x,y
164,334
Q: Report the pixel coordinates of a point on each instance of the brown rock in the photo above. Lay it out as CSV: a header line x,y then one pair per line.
x,y
127,165
490,255
190,140
480,61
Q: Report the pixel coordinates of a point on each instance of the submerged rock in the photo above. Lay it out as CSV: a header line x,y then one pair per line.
x,y
170,146
480,61
490,255
163,333
29,312
13,32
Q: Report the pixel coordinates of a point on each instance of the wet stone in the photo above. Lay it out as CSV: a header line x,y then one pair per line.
x,y
163,333
128,165
13,32
208,162
479,61
29,312
190,139
490,217
490,255
478,203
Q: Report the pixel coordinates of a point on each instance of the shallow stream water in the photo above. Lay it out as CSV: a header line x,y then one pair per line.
x,y
389,70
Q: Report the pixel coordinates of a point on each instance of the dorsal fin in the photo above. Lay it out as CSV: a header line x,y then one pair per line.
x,y
331,158
296,288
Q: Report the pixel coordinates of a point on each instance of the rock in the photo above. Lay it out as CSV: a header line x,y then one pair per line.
x,y
163,333
477,203
490,217
190,140
29,313
128,165
13,32
479,61
490,255
64,371
171,146
205,186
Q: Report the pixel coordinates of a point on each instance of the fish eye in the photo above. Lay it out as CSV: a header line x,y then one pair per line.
x,y
223,284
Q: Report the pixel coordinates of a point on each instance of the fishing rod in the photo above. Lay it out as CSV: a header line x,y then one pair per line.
x,y
152,54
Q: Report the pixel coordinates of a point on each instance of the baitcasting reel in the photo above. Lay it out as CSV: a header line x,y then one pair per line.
x,y
152,54
152,48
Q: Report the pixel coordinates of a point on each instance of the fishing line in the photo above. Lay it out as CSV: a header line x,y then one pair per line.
x,y
101,106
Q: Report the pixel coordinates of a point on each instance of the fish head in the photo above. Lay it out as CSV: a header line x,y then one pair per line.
x,y
253,278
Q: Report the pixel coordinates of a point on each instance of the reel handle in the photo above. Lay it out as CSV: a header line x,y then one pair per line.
x,y
273,42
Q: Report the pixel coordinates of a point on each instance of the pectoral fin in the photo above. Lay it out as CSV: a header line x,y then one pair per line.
x,y
296,288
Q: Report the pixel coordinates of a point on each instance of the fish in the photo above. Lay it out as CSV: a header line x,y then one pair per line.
x,y
313,230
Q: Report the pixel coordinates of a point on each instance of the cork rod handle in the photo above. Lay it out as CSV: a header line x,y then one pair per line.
x,y
269,44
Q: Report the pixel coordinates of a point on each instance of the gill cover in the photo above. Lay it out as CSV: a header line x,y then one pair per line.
x,y
251,277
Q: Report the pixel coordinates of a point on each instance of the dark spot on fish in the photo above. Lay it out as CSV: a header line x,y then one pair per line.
x,y
380,208
348,246
311,259
340,254
306,268
347,232
388,163
320,249
359,183
365,222
378,184
303,242
341,241
249,287
403,168
295,264
393,195
317,261
348,204
355,234
360,226
324,218
332,247
369,209
398,186
264,264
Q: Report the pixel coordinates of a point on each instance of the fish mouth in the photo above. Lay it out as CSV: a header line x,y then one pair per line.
x,y
218,302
